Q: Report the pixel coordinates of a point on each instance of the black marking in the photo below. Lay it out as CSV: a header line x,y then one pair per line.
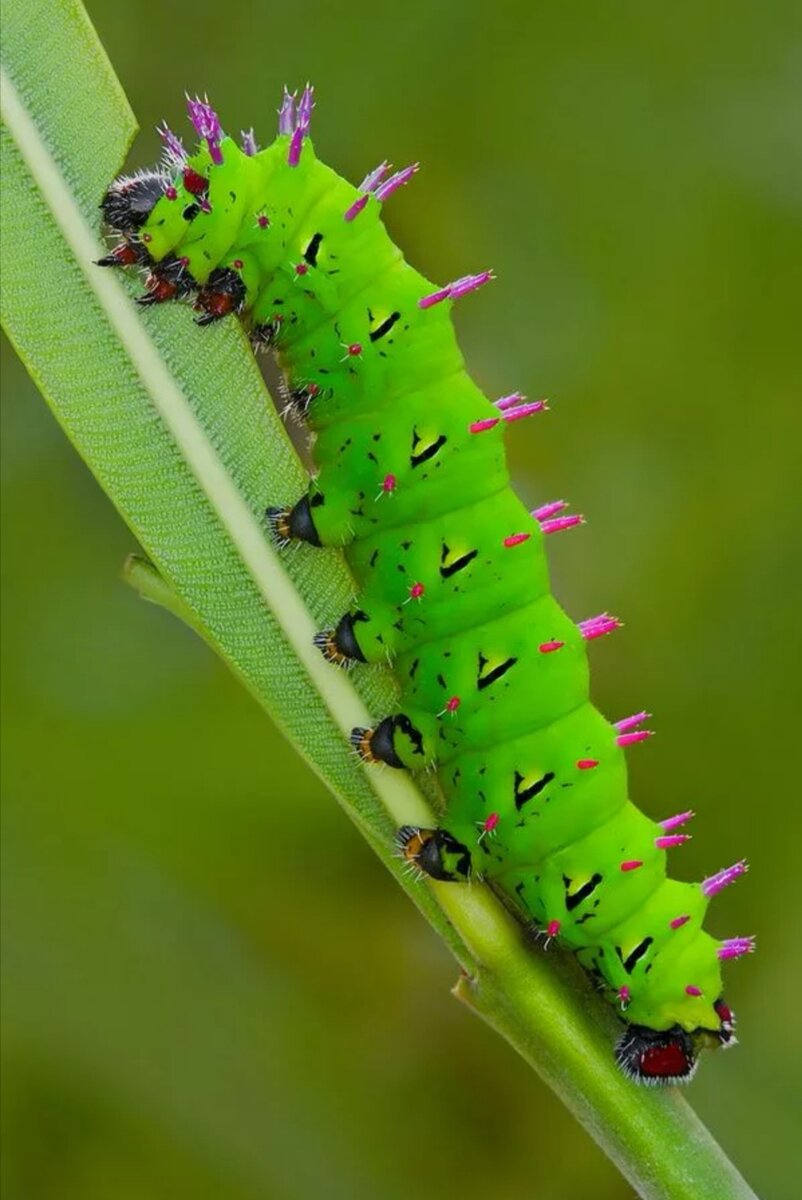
x,y
574,900
311,251
415,460
524,794
458,564
385,326
484,681
630,962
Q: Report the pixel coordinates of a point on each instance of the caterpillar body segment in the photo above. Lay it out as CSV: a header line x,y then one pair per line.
x,y
450,567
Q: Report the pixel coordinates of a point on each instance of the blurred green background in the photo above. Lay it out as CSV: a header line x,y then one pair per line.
x,y
188,1013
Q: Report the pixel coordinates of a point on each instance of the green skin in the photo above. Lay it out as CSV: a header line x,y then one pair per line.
x,y
402,408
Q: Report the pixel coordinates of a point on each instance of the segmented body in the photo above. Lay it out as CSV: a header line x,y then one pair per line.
x,y
449,564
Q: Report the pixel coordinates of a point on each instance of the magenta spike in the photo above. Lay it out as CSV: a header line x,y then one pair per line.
x,y
552,929
560,523
305,106
624,994
510,401
172,143
631,864
679,819
631,739
631,722
735,947
548,510
482,426
207,125
374,177
550,647
692,990
395,182
296,145
678,922
286,114
490,822
671,839
356,208
249,145
515,539
525,410
595,627
453,291
715,883
587,764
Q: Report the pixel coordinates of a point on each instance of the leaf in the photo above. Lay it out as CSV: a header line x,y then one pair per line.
x,y
176,425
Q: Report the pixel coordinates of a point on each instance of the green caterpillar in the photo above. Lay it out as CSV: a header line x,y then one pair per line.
x,y
450,567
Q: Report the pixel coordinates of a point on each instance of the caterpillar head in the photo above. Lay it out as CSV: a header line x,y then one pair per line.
x,y
656,1056
667,1056
130,200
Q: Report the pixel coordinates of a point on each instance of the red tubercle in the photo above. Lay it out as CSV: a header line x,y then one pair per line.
x,y
678,922
355,349
587,764
552,929
692,990
631,864
171,193
301,268
193,182
262,221
550,647
484,425
490,822
389,484
238,264
453,704
416,591
516,539
624,994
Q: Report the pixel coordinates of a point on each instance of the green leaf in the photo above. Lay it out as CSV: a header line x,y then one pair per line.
x,y
177,427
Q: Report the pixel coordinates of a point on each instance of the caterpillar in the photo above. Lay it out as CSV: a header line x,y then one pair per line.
x,y
412,484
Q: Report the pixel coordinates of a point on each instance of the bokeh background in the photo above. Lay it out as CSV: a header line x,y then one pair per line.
x,y
189,1013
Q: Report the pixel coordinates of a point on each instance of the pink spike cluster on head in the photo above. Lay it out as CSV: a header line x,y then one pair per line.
x,y
386,189
715,883
735,947
249,145
595,627
453,291
172,143
549,510
510,401
558,524
302,119
632,722
207,125
286,114
520,411
680,819
633,737
671,839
